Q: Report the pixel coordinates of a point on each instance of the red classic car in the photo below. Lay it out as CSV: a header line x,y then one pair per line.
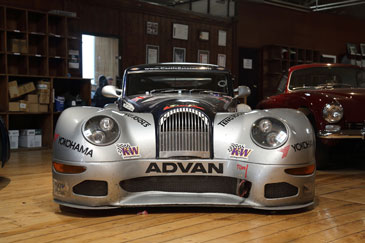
x,y
332,96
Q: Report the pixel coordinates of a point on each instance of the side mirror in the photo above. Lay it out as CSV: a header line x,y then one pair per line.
x,y
243,92
111,91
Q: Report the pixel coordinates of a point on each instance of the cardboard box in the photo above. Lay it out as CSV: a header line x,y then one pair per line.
x,y
44,98
14,106
23,46
32,99
14,138
23,105
26,88
26,138
33,108
38,138
14,45
13,89
43,108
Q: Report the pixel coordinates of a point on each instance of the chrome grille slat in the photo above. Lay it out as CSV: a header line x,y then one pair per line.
x,y
184,132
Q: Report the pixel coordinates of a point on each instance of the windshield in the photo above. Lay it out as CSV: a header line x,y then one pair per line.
x,y
151,82
327,77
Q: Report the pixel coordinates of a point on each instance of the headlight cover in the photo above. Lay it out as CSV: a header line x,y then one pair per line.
x,y
269,133
332,113
101,130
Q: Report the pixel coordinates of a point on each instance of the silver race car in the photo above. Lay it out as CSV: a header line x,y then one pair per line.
x,y
178,136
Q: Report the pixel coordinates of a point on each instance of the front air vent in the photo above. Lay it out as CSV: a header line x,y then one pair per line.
x,y
184,132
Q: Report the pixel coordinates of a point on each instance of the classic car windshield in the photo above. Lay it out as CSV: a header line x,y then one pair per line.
x,y
327,77
140,83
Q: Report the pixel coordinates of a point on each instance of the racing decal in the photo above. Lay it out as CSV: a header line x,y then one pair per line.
x,y
239,151
230,118
302,145
285,151
178,106
138,119
56,136
127,151
128,106
191,167
74,146
241,169
138,98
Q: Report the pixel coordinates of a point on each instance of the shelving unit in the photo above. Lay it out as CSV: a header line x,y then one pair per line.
x,y
277,60
35,46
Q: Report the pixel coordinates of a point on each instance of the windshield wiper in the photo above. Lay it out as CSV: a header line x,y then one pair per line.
x,y
208,91
166,90
333,85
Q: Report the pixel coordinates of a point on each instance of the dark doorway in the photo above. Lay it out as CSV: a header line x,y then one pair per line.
x,y
249,73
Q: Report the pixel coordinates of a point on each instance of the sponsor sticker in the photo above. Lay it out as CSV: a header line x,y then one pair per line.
x,y
128,106
230,118
138,119
127,151
74,146
242,169
239,151
59,188
188,168
302,146
138,98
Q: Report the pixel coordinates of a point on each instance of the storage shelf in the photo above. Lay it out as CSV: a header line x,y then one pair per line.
x,y
35,46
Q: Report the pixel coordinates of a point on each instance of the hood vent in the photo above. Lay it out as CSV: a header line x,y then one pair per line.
x,y
184,132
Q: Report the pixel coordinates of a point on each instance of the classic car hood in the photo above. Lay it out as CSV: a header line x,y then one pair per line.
x,y
350,99
211,103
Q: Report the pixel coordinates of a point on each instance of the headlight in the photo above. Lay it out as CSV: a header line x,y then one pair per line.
x,y
101,130
332,113
269,133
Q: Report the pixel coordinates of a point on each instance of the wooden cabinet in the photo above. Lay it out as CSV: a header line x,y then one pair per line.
x,y
37,46
278,59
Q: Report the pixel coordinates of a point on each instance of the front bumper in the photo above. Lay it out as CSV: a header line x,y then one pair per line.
x,y
259,176
343,134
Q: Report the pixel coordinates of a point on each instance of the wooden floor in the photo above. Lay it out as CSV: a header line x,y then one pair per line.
x,y
28,214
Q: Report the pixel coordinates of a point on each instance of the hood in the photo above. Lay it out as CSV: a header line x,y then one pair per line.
x,y
159,103
350,99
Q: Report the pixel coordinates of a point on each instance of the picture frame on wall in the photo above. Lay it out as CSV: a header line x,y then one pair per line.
x,y
362,48
152,54
222,38
180,31
152,28
203,56
221,61
204,35
351,49
179,54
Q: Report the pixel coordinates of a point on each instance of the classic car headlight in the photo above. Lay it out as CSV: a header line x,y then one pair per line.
x,y
269,133
332,113
101,130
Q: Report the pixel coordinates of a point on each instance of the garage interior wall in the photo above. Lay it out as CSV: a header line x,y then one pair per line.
x,y
255,26
262,24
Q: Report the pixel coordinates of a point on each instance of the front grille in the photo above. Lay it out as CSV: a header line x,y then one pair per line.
x,y
91,188
184,132
197,184
279,190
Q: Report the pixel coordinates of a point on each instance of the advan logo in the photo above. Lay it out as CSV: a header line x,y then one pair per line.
x,y
239,151
127,151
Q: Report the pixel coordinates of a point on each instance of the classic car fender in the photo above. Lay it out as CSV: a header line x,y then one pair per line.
x,y
298,149
136,129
